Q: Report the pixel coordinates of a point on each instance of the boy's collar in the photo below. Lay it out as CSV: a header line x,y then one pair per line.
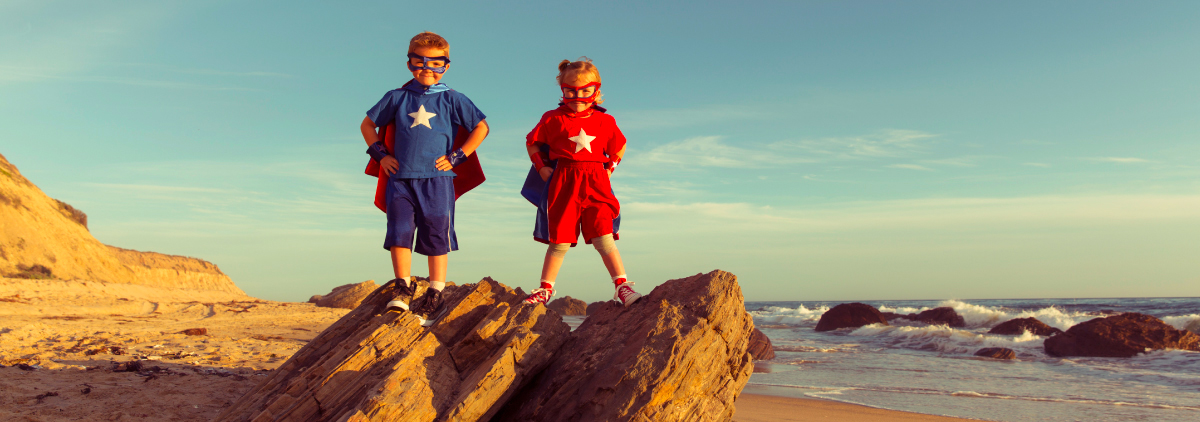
x,y
585,113
414,86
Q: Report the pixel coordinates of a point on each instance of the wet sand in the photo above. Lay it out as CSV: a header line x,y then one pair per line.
x,y
761,408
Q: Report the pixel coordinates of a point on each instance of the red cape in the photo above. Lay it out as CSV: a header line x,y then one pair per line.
x,y
470,173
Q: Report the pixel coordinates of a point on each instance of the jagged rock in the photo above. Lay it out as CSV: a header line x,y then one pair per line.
x,y
43,238
568,306
347,296
1019,326
195,332
941,316
678,354
1123,335
760,346
375,365
594,306
852,315
997,353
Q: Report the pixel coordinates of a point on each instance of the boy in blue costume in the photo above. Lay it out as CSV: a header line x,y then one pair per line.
x,y
419,197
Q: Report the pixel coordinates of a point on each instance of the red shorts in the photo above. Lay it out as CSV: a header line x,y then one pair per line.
x,y
580,198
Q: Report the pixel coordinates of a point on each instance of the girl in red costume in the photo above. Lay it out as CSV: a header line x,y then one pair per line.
x,y
587,145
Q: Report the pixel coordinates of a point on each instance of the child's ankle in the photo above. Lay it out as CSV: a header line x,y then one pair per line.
x,y
437,285
407,280
619,279
548,284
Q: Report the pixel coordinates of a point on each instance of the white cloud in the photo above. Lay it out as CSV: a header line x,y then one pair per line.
x,y
1119,160
1043,165
910,167
887,143
709,151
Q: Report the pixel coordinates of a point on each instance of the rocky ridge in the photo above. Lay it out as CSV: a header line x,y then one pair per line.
x,y
42,238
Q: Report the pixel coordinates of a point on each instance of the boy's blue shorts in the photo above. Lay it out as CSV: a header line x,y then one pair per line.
x,y
424,207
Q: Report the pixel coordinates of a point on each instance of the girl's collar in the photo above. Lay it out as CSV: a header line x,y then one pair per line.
x,y
584,113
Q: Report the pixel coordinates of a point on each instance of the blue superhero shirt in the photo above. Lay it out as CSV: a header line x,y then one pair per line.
x,y
426,118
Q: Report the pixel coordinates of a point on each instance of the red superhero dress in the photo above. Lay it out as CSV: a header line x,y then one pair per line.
x,y
579,196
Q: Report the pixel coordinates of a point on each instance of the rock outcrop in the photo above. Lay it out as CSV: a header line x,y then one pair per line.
x,y
44,238
760,346
850,315
568,306
374,365
678,354
347,296
1123,335
594,306
941,316
1019,326
997,353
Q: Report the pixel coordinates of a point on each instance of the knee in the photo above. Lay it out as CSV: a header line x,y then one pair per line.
x,y
605,244
558,250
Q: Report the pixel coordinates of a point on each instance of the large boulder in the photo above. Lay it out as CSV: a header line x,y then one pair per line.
x,y
997,353
376,365
1019,326
1123,335
568,306
594,306
850,315
941,316
346,296
760,346
678,354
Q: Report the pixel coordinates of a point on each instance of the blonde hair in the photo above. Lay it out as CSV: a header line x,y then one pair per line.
x,y
579,68
428,40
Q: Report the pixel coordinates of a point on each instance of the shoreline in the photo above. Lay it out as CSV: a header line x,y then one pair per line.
x,y
759,407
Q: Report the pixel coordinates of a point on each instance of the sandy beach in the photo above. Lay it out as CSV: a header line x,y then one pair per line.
x,y
115,352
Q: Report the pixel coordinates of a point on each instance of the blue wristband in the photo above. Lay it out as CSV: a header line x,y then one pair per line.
x,y
457,157
377,151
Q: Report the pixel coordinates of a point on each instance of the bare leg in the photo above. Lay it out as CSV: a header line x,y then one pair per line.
x,y
613,263
551,266
437,267
401,261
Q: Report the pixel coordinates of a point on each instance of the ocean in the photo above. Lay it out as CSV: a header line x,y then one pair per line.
x,y
931,369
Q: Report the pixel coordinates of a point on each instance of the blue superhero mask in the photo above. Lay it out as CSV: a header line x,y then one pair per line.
x,y
441,61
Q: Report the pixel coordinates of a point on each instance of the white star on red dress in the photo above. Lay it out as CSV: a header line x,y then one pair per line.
x,y
421,117
582,141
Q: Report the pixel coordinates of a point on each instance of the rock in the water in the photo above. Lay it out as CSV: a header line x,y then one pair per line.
x,y
376,365
592,307
568,306
1193,326
678,354
760,346
997,353
1123,335
892,315
941,316
1021,325
347,296
852,315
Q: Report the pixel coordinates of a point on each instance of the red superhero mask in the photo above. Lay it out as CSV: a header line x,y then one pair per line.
x,y
576,93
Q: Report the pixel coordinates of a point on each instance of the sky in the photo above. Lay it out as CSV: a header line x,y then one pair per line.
x,y
819,150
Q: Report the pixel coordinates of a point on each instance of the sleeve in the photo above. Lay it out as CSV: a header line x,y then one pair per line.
x,y
538,134
615,142
465,112
384,111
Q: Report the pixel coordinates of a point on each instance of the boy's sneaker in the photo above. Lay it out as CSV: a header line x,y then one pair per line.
x,y
402,291
540,295
625,294
430,307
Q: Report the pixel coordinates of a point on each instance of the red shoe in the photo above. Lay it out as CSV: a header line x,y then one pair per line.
x,y
540,295
625,294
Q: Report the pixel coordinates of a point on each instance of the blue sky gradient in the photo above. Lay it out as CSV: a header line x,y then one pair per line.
x,y
819,150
